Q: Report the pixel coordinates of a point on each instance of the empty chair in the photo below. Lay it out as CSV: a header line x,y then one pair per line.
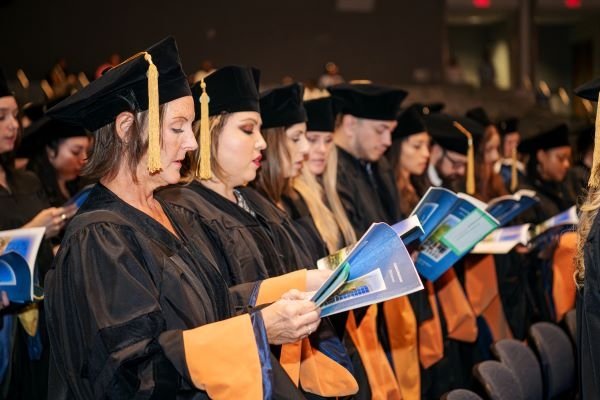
x,y
498,381
460,394
556,358
521,360
571,323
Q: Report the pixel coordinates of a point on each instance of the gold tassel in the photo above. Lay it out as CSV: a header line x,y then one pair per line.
x,y
154,164
470,159
594,181
514,177
203,170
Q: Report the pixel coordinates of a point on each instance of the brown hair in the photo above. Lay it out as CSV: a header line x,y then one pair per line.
x,y
110,150
270,180
216,124
488,184
407,192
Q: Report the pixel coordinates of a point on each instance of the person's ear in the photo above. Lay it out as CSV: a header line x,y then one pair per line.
x,y
123,124
51,153
349,124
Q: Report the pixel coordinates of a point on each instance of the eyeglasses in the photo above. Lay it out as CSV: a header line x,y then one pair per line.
x,y
456,164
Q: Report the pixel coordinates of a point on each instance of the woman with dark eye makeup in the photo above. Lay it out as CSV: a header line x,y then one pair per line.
x,y
255,237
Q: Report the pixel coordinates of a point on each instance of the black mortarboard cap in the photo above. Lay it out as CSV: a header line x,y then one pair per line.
x,y
320,114
142,82
367,100
557,136
4,89
589,90
230,89
125,88
282,106
432,108
508,125
478,114
410,122
44,131
442,129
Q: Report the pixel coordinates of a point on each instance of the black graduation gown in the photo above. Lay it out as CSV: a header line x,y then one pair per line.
x,y
18,206
588,318
122,291
366,200
297,209
577,180
554,198
255,248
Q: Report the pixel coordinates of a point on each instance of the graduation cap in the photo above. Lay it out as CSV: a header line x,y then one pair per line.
x,y
410,122
4,89
478,114
142,82
557,136
367,100
230,89
227,90
432,108
282,106
320,114
591,91
508,125
44,131
458,134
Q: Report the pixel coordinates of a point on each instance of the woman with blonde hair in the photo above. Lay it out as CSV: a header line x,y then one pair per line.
x,y
587,275
318,199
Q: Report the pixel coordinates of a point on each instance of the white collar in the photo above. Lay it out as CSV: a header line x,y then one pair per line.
x,y
433,176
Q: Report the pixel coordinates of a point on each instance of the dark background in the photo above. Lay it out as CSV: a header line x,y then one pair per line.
x,y
281,37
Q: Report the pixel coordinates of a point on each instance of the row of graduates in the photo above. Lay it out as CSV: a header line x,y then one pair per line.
x,y
253,232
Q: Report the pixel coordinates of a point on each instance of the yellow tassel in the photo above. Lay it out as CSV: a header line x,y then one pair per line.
x,y
470,159
154,164
514,177
594,181
203,170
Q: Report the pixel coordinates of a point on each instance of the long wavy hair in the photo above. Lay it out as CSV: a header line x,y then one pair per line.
x,y
331,222
588,212
270,180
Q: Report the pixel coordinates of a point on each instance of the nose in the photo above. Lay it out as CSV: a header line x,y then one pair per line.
x,y
14,123
303,145
189,143
261,144
386,138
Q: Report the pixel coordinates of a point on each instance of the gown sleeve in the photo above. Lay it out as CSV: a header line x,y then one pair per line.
x,y
106,317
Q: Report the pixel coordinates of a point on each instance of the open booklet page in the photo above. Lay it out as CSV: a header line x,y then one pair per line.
x,y
378,268
506,208
18,251
503,240
453,225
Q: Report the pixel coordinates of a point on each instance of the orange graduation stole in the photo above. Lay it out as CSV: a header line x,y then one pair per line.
x,y
382,380
401,326
481,284
461,322
563,268
431,342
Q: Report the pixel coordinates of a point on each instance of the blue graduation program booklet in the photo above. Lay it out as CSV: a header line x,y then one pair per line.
x,y
18,251
503,240
80,197
376,269
453,223
506,208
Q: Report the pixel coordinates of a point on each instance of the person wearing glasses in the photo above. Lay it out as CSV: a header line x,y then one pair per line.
x,y
448,156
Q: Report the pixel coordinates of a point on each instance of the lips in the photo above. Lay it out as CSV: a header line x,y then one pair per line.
x,y
256,161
